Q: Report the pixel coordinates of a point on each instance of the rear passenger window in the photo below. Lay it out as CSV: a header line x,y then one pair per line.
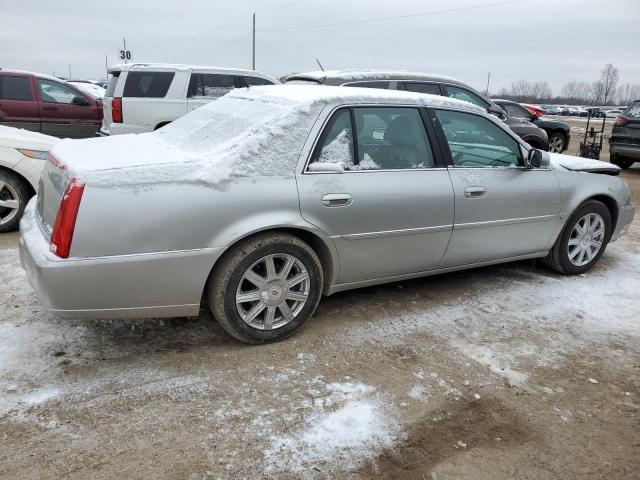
x,y
384,85
14,88
432,88
210,85
388,138
255,81
111,88
466,95
148,84
633,110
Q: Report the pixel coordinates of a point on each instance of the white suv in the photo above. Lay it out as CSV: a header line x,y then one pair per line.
x,y
144,97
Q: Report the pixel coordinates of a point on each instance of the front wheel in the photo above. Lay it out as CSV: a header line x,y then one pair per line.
x,y
266,288
583,240
557,143
14,196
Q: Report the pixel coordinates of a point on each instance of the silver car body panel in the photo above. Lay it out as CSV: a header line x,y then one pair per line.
x,y
147,250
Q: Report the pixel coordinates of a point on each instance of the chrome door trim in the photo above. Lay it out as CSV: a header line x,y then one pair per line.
x,y
506,221
395,233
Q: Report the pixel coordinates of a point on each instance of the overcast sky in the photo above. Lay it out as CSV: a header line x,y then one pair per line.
x,y
553,40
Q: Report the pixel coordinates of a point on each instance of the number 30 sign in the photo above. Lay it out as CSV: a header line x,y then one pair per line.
x,y
125,54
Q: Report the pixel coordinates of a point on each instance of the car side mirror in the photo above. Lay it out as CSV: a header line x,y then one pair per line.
x,y
537,159
497,111
81,101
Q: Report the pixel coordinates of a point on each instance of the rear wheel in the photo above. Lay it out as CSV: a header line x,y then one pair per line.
x,y
14,195
622,162
557,142
583,240
266,288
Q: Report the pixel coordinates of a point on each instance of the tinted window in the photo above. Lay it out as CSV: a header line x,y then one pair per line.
x,y
336,144
113,81
633,110
147,84
56,92
475,141
466,95
431,88
255,81
387,138
14,88
210,85
514,110
384,85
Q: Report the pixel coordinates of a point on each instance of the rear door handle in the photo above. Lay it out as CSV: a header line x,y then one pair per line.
x,y
337,200
475,192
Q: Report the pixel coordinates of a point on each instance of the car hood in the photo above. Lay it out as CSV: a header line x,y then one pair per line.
x,y
544,122
18,138
579,164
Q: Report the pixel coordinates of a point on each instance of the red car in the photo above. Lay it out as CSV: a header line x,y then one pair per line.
x,y
536,111
47,105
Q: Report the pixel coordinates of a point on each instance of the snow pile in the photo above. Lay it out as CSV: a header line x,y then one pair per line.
x,y
19,138
95,91
348,427
578,163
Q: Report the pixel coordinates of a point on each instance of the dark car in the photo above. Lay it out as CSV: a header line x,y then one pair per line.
x,y
559,133
424,83
45,104
624,143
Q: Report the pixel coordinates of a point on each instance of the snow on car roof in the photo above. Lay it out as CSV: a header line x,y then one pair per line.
x,y
257,131
122,67
20,138
40,75
370,74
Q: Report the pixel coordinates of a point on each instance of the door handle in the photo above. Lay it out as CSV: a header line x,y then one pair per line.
x,y
475,192
337,200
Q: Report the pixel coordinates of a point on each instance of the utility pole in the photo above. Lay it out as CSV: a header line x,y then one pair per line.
x,y
488,77
124,44
253,62
106,65
70,77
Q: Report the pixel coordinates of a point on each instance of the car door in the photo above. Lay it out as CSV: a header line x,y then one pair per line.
x,y
205,87
502,210
18,105
65,112
390,211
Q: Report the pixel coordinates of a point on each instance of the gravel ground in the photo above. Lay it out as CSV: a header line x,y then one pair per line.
x,y
502,372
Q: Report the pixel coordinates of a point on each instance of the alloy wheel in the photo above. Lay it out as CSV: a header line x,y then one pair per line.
x,y
556,144
9,202
586,239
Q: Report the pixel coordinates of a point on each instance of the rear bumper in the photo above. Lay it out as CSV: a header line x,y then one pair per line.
x,y
625,149
625,217
165,284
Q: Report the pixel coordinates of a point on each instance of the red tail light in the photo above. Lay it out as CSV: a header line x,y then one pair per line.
x,y
65,223
116,110
621,121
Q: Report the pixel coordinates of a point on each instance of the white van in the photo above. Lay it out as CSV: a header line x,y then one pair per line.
x,y
144,97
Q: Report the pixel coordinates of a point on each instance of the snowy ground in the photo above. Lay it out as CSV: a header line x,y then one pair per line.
x,y
502,372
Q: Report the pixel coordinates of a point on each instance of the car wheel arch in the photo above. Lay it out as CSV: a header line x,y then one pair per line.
x,y
608,201
24,180
160,125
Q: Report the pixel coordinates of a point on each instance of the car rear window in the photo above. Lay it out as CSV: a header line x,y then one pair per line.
x,y
633,110
113,81
14,88
148,84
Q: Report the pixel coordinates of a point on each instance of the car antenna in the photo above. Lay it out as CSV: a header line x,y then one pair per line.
x,y
321,67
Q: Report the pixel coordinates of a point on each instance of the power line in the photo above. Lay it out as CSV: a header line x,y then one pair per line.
x,y
395,17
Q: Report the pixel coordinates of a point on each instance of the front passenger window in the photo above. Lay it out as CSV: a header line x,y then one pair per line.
x,y
475,141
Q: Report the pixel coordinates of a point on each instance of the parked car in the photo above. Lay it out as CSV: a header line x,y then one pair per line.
x,y
90,88
22,157
45,104
559,133
533,109
624,143
613,113
423,83
144,97
551,110
287,193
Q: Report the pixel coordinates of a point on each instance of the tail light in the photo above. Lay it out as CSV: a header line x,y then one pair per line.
x,y
65,223
116,110
620,121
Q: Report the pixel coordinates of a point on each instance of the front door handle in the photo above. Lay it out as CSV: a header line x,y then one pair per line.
x,y
475,192
337,200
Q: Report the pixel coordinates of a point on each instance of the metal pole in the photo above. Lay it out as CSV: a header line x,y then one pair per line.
x,y
124,43
106,65
69,71
488,77
253,62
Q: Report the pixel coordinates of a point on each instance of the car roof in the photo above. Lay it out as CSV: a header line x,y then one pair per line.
x,y
339,77
124,67
35,74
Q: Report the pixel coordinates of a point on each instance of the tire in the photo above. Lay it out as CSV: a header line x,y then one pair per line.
x,y
622,162
559,256
229,279
557,142
14,192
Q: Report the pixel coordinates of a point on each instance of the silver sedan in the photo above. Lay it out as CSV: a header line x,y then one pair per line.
x,y
256,205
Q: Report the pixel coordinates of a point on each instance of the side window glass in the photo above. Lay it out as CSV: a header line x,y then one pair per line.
x,y
475,141
432,88
466,95
147,84
195,86
14,88
336,144
55,92
255,81
217,85
376,84
391,138
515,110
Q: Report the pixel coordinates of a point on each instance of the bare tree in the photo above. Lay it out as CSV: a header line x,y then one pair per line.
x,y
578,90
540,90
521,88
609,81
597,89
628,92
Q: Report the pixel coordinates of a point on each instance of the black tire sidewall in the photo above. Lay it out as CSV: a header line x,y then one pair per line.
x,y
23,198
262,336
592,206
